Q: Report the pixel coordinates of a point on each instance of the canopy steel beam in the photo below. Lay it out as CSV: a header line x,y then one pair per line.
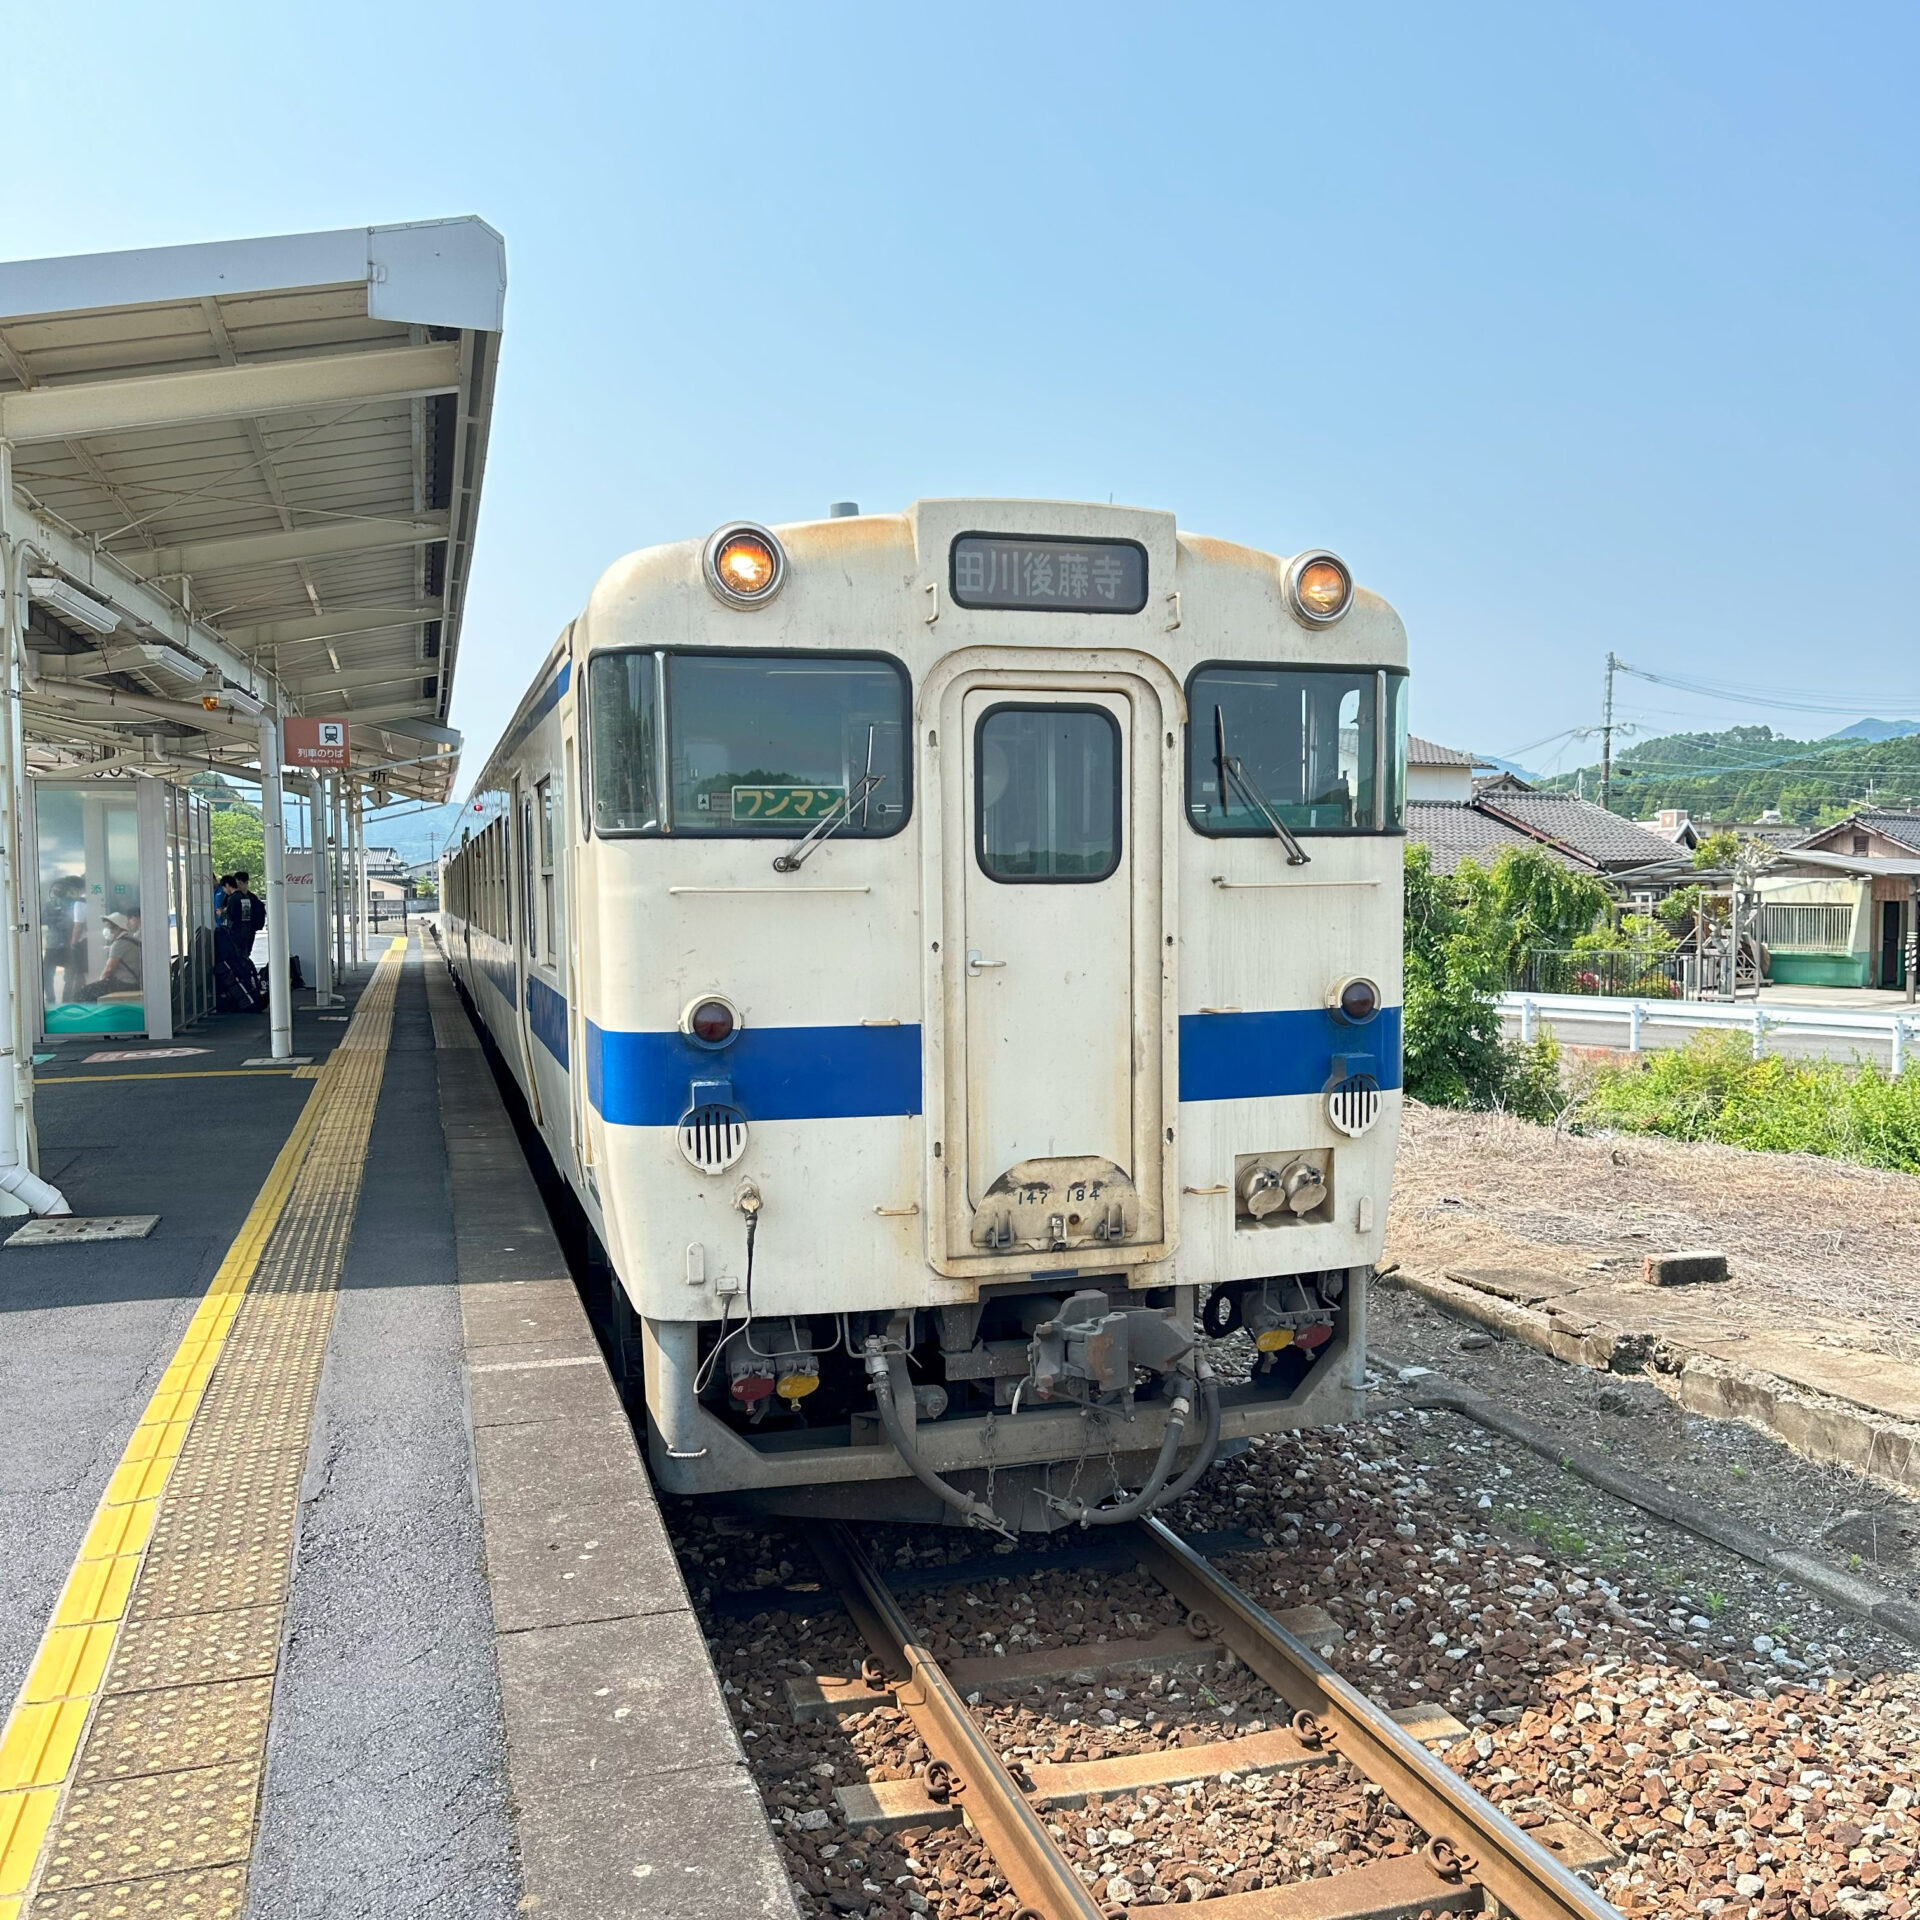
x,y
307,685
273,549
413,712
115,581
337,625
91,408
141,657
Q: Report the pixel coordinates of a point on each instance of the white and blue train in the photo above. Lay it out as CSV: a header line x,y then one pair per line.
x,y
954,959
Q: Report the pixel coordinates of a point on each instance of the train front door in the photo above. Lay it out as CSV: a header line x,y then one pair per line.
x,y
1049,999
1053,798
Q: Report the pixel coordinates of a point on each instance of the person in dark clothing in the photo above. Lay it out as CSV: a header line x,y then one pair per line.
x,y
246,915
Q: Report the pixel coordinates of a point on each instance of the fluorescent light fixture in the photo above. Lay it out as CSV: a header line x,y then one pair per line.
x,y
76,608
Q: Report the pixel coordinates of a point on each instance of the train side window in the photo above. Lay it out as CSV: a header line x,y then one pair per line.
x,y
623,717
543,841
1047,793
527,929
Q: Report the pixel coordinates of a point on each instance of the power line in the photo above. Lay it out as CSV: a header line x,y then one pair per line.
x,y
1761,697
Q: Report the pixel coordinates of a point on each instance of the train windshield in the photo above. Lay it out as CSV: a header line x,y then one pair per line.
x,y
1307,740
763,744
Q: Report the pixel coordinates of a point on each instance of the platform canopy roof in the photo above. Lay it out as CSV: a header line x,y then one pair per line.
x,y
249,471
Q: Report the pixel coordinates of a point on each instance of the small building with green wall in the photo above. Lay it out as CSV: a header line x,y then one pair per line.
x,y
1841,909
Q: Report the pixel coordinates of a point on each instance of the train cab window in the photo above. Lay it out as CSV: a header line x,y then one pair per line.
x,y
623,718
759,744
1325,747
1047,793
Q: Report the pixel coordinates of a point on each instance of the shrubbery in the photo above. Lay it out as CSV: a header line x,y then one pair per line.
x,y
1469,931
1458,951
1713,1089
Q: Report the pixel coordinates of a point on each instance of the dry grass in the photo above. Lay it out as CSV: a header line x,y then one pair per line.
x,y
1802,1235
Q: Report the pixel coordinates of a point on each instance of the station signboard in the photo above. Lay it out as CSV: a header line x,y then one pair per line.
x,y
315,743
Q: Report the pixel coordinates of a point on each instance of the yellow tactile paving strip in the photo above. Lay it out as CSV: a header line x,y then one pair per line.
x,y
130,1766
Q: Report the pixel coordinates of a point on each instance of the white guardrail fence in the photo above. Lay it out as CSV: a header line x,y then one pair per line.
x,y
1898,1032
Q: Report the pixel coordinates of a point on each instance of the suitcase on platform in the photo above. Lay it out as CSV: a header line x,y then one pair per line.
x,y
235,989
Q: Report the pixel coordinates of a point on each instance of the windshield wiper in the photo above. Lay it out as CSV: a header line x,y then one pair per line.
x,y
829,823
1232,770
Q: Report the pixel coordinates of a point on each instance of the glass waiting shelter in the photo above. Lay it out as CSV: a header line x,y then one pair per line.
x,y
121,915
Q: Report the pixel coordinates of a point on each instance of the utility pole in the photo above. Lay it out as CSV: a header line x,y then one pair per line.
x,y
1606,735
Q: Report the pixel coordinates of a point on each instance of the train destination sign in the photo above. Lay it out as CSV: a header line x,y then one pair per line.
x,y
1025,573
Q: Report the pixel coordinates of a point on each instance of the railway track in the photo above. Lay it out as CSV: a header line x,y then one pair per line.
x,y
1469,1858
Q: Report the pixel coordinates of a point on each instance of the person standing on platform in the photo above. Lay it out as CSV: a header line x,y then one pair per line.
x,y
246,916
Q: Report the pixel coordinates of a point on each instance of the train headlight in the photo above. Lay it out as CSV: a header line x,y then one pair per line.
x,y
1356,1000
710,1021
744,565
1319,588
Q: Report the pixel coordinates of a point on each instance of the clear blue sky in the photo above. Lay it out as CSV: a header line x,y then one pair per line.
x,y
1571,326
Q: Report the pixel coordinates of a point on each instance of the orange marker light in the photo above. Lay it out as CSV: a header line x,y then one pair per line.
x,y
1324,588
746,565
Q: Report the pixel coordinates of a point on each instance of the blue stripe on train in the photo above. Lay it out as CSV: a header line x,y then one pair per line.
x,y
841,1073
1260,1056
778,1073
499,974
547,1016
546,1008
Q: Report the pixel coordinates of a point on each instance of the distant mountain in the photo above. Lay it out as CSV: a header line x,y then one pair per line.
x,y
415,837
1738,773
1877,730
1509,766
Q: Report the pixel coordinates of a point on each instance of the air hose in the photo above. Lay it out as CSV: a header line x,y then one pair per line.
x,y
975,1512
1209,1439
1149,1495
1159,1491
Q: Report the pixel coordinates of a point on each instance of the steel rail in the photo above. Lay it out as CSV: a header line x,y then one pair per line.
x,y
1042,1877
1519,1873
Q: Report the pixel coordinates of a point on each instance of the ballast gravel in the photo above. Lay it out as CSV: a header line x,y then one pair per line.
x,y
1746,1749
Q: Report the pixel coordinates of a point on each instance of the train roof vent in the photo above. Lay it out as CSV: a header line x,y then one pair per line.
x,y
1353,1104
713,1137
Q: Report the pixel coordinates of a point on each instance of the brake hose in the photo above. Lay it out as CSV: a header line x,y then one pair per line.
x,y
976,1512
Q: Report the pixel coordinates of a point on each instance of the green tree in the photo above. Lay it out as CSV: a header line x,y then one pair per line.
x,y
1720,849
239,841
1527,903
1676,911
1455,965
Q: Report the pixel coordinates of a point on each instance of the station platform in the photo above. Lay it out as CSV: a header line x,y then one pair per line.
x,y
331,1580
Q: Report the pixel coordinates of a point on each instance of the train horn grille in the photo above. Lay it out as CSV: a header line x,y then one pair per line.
x,y
1353,1104
713,1137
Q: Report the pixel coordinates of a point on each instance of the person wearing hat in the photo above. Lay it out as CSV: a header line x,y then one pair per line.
x,y
126,961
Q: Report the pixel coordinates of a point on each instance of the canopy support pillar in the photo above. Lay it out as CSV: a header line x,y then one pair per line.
x,y
273,819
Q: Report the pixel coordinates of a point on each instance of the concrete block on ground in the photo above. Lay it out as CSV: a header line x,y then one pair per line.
x,y
1701,1267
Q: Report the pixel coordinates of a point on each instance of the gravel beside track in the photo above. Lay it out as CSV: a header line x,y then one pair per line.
x,y
1746,1749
